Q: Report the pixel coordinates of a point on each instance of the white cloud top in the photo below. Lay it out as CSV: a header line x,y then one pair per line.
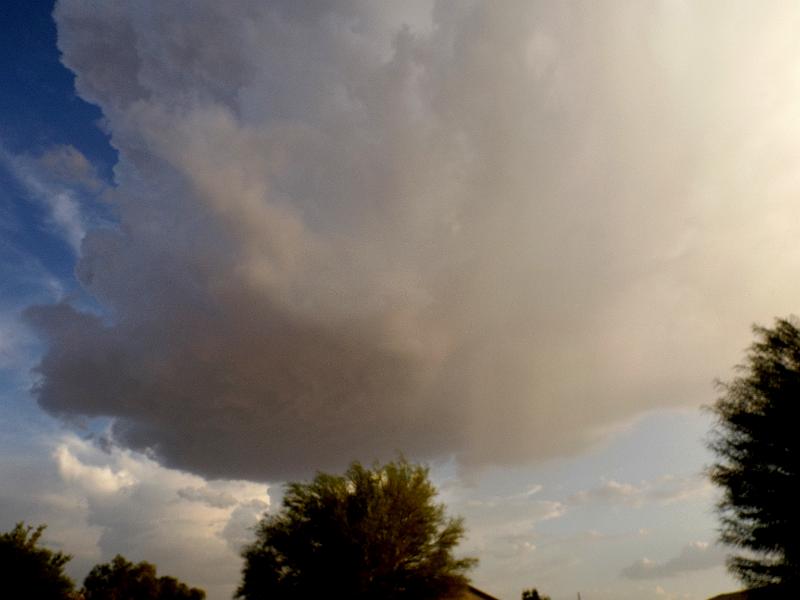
x,y
99,503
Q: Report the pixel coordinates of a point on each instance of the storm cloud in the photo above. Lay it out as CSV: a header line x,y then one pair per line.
x,y
489,230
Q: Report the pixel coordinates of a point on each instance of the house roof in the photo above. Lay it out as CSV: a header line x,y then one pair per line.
x,y
476,593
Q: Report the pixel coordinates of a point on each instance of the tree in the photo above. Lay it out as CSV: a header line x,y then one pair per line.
x,y
122,580
533,594
29,571
368,534
758,451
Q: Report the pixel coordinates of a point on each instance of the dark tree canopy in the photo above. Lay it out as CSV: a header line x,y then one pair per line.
x,y
122,580
533,594
757,444
29,571
372,534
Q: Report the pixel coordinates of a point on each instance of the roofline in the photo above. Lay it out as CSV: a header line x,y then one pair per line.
x,y
478,592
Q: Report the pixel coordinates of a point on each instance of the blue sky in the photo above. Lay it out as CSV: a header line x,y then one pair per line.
x,y
517,242
39,111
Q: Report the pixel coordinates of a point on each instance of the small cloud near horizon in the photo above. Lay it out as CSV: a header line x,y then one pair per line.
x,y
695,556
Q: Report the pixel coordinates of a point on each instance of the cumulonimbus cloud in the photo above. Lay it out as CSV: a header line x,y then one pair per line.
x,y
487,230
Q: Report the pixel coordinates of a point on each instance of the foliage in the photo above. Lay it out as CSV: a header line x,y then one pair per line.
x,y
533,594
29,571
370,534
122,580
758,452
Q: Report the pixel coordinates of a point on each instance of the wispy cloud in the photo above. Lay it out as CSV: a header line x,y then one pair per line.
x,y
664,490
54,180
504,526
23,280
512,499
15,342
68,165
695,556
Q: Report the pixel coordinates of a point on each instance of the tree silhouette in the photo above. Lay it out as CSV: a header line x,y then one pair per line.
x,y
757,444
533,594
29,571
122,580
372,534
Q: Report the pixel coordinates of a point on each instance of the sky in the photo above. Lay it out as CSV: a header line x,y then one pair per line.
x,y
241,242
